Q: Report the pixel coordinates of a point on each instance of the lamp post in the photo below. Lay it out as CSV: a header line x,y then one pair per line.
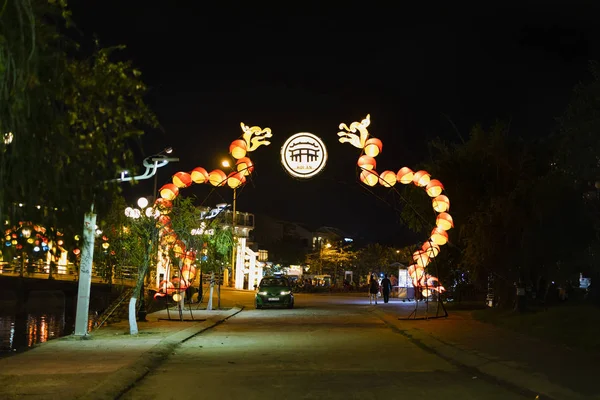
x,y
156,159
87,252
226,164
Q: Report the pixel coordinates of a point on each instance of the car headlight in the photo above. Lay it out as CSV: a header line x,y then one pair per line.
x,y
263,293
285,292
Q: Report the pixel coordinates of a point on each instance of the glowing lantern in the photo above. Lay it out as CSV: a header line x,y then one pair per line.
x,y
405,175
180,283
164,220
245,166
444,221
431,249
421,178
366,162
188,273
177,297
420,258
182,179
76,252
387,178
441,203
417,273
434,188
166,287
217,177
237,148
427,292
236,179
369,178
164,206
169,191
373,147
439,236
199,175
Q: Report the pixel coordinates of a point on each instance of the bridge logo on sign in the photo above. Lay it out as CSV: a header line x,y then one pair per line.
x,y
303,155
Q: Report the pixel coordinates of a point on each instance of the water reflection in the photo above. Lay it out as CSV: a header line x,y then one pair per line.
x,y
21,331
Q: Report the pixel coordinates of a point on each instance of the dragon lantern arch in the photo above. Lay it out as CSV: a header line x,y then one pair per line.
x,y
358,136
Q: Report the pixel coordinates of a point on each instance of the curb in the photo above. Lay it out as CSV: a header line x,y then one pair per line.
x,y
513,378
119,382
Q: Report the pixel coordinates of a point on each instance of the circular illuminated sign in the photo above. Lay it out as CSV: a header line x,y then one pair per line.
x,y
303,155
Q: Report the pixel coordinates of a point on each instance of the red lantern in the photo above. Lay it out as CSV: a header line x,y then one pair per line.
x,y
164,220
405,175
441,203
217,177
76,252
439,236
434,188
444,221
163,205
182,179
387,178
199,175
373,147
169,191
369,177
236,179
237,148
245,166
366,162
421,258
188,273
431,249
421,178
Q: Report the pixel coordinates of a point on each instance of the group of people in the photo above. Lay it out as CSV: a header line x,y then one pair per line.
x,y
374,286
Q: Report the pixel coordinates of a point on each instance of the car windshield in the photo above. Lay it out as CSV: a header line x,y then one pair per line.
x,y
266,282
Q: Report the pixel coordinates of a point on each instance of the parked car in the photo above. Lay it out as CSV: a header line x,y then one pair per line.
x,y
274,291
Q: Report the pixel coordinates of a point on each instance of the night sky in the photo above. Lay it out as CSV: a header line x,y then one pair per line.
x,y
299,69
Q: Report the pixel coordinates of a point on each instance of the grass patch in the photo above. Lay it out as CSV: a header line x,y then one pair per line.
x,y
571,325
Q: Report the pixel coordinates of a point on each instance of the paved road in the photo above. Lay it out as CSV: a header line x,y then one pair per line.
x,y
326,348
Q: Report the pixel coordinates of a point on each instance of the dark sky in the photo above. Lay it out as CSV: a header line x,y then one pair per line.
x,y
296,68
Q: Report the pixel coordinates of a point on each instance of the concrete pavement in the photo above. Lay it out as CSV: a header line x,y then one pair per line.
x,y
103,364
529,365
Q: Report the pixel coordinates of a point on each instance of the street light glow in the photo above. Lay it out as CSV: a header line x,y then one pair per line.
x,y
142,202
226,163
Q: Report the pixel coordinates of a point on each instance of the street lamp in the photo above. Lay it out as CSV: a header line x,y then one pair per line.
x,y
87,252
227,164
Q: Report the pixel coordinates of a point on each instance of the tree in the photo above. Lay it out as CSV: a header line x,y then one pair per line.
x,y
373,258
71,117
510,206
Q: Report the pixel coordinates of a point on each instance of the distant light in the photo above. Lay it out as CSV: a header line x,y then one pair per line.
x,y
226,163
169,150
348,240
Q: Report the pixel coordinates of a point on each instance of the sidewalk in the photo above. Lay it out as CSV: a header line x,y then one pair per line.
x,y
103,364
509,358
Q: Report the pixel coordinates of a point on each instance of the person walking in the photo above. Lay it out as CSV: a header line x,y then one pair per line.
x,y
386,288
373,289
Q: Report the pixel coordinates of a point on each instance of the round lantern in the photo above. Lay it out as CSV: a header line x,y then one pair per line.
x,y
431,249
188,273
217,177
182,179
420,258
179,248
434,188
164,220
439,236
199,175
421,178
366,162
236,179
441,203
169,191
180,283
245,166
237,148
177,297
373,147
387,178
369,178
417,274
163,205
444,221
405,175
166,287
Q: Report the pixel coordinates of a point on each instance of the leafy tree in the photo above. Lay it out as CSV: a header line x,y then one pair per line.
x,y
72,117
